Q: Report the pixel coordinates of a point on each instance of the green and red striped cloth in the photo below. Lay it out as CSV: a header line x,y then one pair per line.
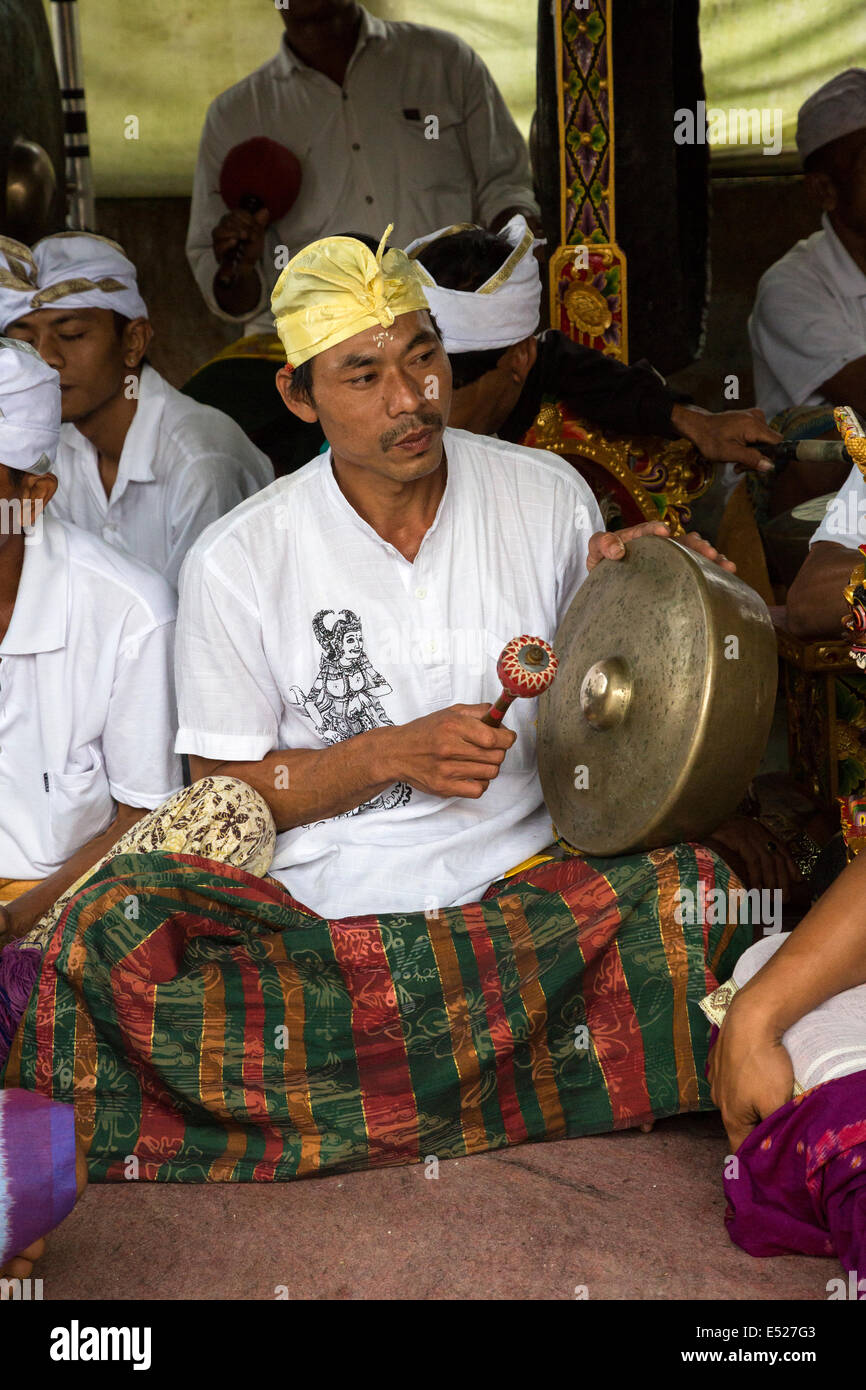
x,y
209,1028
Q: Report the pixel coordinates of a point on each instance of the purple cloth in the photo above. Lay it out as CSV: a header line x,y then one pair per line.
x,y
18,972
800,1186
37,1168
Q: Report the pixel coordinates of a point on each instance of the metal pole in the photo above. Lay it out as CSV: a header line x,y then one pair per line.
x,y
81,205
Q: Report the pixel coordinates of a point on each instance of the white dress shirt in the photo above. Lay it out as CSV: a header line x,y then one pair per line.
x,y
182,466
809,321
366,159
504,556
87,714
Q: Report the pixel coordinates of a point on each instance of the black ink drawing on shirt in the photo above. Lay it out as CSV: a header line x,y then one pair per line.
x,y
344,699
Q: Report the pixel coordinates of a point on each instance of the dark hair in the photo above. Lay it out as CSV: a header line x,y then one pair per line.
x,y
466,261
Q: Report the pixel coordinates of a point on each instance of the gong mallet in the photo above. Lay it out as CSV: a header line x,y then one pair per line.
x,y
259,173
526,667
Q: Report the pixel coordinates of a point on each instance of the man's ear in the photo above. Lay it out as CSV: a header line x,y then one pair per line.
x,y
136,340
304,409
38,488
519,359
822,190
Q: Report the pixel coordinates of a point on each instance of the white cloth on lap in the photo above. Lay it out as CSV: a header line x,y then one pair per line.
x,y
828,1042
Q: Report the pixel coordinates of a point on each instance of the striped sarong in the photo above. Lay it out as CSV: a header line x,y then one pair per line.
x,y
207,1026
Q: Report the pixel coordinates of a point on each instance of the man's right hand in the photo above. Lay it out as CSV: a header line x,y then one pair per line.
x,y
244,229
749,1072
450,752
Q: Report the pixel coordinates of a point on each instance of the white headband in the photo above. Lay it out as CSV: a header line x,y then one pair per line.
x,y
836,109
502,311
69,270
29,408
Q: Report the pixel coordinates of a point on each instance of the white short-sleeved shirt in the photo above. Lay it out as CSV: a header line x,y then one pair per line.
x,y
418,135
182,466
809,321
845,518
504,556
87,713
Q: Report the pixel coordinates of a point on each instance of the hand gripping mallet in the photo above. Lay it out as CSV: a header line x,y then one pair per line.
x,y
526,667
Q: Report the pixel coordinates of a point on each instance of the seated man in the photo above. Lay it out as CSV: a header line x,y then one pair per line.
x,y
86,642
808,326
336,632
336,655
485,292
138,463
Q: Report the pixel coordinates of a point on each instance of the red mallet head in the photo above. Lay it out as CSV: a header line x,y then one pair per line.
x,y
526,667
260,172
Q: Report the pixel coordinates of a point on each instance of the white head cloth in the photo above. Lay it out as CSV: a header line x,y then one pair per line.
x,y
836,109
69,270
502,311
29,408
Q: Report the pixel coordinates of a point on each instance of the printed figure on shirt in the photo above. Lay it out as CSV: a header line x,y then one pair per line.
x,y
138,463
344,698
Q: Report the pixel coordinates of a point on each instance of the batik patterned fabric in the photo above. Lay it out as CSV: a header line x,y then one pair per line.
x,y
799,1187
218,817
202,1020
37,1168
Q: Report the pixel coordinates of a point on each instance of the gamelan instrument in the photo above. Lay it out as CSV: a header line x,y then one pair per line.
x,y
258,173
526,667
663,702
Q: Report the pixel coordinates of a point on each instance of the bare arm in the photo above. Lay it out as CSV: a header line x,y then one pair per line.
x,y
750,1071
448,753
21,915
816,599
848,387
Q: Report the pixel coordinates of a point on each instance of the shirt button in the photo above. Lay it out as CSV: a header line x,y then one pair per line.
x,y
356,146
369,198
420,593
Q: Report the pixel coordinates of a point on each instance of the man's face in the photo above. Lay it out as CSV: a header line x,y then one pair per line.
x,y
84,346
313,11
851,187
382,398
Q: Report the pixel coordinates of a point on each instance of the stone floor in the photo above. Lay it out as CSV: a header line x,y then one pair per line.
x,y
622,1216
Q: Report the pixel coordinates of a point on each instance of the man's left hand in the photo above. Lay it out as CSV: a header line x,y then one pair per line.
x,y
727,437
610,545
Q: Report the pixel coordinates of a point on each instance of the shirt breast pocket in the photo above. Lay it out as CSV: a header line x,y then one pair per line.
x,y
80,805
438,160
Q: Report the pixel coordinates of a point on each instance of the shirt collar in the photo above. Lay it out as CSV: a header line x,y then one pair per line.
x,y
142,437
337,498
39,618
287,62
840,265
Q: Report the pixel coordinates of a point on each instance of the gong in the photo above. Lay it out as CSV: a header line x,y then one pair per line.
x,y
32,186
660,713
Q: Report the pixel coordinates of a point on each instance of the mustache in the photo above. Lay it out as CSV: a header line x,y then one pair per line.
x,y
423,420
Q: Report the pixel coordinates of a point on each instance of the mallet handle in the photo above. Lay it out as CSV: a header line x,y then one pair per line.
x,y
496,713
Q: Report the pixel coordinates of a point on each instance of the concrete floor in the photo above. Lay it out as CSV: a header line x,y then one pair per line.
x,y
624,1216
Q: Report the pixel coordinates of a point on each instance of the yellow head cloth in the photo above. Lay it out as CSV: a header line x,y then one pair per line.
x,y
336,288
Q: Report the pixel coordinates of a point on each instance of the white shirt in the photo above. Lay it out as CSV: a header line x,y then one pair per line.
x,y
182,465
845,518
504,556
364,161
808,322
87,711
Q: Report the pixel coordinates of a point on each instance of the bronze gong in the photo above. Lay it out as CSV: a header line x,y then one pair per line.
x,y
660,713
